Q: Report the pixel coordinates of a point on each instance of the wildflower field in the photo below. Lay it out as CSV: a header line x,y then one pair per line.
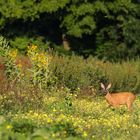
x,y
59,118
48,97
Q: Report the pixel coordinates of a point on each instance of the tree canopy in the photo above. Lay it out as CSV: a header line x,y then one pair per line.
x,y
109,29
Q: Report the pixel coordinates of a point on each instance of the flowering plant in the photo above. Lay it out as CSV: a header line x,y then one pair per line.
x,y
40,62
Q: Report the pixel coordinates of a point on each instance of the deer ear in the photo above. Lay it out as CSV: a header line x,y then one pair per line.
x,y
102,86
109,86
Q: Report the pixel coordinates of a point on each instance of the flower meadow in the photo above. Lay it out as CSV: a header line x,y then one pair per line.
x,y
84,119
36,105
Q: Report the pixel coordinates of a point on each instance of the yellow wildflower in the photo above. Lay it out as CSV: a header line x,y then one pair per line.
x,y
85,134
54,110
13,54
19,65
8,126
33,47
49,120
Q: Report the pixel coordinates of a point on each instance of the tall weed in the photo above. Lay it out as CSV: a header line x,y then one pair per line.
x,y
75,72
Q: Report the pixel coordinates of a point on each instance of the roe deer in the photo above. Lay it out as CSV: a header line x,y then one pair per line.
x,y
117,99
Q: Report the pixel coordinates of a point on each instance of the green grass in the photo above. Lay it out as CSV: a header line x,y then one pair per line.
x,y
67,103
71,117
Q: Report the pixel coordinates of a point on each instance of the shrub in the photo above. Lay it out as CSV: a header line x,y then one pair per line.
x,y
39,70
21,43
75,72
124,76
23,126
20,99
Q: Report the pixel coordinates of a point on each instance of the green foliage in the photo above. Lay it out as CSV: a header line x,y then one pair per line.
x,y
45,132
20,98
11,70
6,132
39,62
24,126
91,120
80,17
119,38
123,76
28,9
131,32
59,114
4,46
21,43
108,29
75,72
37,73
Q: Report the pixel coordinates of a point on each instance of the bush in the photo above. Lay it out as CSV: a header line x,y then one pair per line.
x,y
21,43
23,126
75,72
21,98
124,76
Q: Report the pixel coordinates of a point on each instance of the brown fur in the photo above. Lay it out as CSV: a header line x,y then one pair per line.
x,y
66,43
121,98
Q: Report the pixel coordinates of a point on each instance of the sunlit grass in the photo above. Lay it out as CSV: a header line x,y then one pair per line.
x,y
86,119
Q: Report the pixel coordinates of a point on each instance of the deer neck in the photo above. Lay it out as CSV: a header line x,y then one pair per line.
x,y
108,96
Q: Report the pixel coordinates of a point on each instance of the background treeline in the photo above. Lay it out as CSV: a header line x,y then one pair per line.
x,y
108,29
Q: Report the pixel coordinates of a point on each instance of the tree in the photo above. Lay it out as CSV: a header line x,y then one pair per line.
x,y
119,37
109,29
